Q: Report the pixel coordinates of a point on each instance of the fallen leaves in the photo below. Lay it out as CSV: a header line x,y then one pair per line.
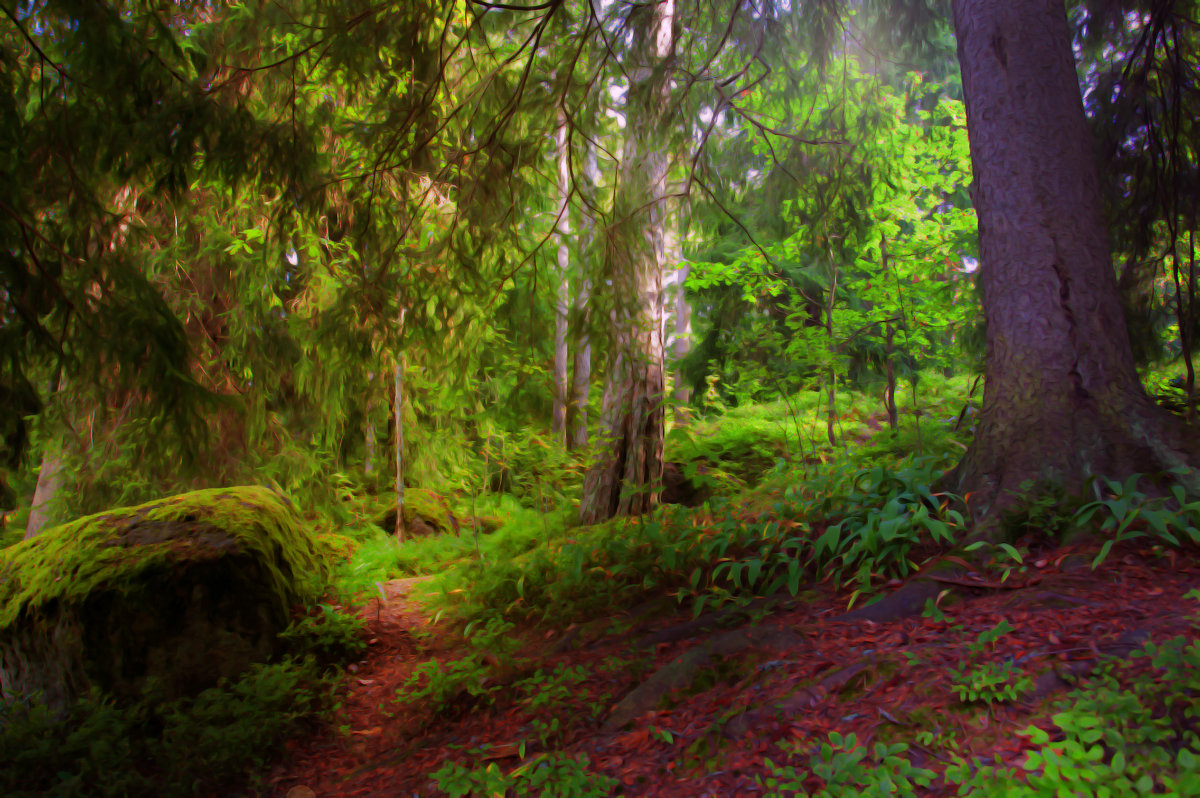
x,y
849,677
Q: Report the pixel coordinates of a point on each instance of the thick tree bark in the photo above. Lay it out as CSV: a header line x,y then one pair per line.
x,y
1062,400
562,299
626,477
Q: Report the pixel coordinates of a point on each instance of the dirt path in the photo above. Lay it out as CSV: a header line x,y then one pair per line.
x,y
807,669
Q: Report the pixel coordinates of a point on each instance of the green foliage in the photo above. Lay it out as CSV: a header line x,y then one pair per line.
x,y
845,768
331,635
553,775
1116,736
981,681
551,689
374,561
439,688
739,446
1040,509
717,555
151,748
886,517
1128,513
990,683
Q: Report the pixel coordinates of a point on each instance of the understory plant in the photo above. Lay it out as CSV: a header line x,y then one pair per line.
x,y
844,768
1126,732
152,747
982,681
872,525
551,775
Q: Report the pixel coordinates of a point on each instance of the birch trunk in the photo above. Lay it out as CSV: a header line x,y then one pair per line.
x,y
581,371
626,477
563,295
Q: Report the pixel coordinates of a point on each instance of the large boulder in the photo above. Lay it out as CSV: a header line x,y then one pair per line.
x,y
184,591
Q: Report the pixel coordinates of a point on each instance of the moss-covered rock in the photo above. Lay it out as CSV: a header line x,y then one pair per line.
x,y
185,591
425,513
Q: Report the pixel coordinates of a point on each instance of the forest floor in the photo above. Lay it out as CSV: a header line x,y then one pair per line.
x,y
667,706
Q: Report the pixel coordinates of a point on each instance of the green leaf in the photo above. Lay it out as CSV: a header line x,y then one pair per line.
x,y
1104,550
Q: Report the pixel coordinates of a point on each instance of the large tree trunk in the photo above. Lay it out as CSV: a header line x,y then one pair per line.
x,y
562,301
1062,400
626,477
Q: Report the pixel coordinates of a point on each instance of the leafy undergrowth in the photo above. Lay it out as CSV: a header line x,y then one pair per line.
x,y
969,697
205,744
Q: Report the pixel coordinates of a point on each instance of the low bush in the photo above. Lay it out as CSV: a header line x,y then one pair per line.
x,y
155,748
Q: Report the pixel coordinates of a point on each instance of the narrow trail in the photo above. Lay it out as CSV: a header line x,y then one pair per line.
x,y
773,688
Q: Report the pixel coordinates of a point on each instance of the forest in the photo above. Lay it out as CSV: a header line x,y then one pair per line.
x,y
599,397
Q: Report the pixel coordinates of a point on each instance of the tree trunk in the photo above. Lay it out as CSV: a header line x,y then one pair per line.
x,y
562,299
1185,309
831,375
626,477
581,370
683,313
889,396
369,427
49,482
1062,400
398,413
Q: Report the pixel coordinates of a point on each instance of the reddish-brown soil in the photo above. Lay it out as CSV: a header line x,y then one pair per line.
x,y
807,673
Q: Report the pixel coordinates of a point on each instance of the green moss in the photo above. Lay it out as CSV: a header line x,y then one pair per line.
x,y
425,512
111,550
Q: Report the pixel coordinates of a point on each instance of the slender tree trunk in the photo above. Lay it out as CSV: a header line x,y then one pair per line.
x,y
1062,400
831,375
683,312
1191,303
626,478
562,299
398,414
1184,311
889,398
581,371
49,480
369,427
